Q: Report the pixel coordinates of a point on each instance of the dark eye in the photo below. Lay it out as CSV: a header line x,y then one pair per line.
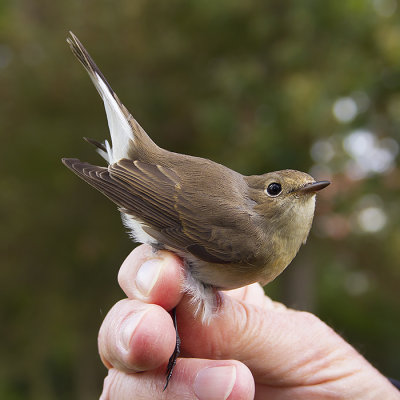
x,y
274,189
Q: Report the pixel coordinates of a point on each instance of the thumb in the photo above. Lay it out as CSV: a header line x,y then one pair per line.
x,y
274,342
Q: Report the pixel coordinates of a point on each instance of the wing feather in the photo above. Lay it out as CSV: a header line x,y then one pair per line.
x,y
153,195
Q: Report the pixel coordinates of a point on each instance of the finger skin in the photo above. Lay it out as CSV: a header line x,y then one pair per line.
x,y
149,385
254,294
136,336
265,338
245,328
289,353
167,289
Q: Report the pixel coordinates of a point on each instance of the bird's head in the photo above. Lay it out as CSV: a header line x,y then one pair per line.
x,y
285,199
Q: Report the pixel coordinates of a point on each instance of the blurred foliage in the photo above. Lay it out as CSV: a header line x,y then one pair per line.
x,y
257,85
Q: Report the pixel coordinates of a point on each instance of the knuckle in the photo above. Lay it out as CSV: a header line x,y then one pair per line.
x,y
111,386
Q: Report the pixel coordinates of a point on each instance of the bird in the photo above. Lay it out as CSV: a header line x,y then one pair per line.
x,y
230,230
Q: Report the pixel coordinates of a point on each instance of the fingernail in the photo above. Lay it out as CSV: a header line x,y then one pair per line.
x,y
215,383
128,327
147,276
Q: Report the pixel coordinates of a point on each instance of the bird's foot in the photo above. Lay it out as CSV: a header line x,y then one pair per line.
x,y
175,354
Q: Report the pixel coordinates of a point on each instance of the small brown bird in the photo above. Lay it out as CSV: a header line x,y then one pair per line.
x,y
231,230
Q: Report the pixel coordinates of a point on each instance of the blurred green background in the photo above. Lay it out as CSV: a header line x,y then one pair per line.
x,y
256,85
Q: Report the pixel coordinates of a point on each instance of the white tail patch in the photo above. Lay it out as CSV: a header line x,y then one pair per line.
x,y
120,129
135,230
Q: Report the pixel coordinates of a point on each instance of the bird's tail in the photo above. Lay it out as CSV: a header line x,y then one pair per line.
x,y
124,129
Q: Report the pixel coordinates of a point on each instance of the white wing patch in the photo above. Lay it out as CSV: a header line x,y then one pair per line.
x,y
120,130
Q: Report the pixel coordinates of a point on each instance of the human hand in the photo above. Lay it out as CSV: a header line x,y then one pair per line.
x,y
254,347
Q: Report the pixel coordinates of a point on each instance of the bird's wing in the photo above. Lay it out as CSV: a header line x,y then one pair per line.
x,y
153,195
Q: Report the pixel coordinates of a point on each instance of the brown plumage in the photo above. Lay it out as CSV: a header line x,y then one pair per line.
x,y
231,230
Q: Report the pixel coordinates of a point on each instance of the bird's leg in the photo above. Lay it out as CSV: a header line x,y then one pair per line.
x,y
175,354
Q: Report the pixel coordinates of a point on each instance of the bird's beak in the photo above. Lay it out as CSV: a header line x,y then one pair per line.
x,y
313,187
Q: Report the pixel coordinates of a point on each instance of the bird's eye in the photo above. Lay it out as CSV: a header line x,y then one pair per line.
x,y
274,189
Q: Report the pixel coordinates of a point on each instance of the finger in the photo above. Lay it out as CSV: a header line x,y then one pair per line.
x,y
152,276
136,336
192,379
263,338
254,294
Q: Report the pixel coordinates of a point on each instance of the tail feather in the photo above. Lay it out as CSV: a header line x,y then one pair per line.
x,y
121,123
